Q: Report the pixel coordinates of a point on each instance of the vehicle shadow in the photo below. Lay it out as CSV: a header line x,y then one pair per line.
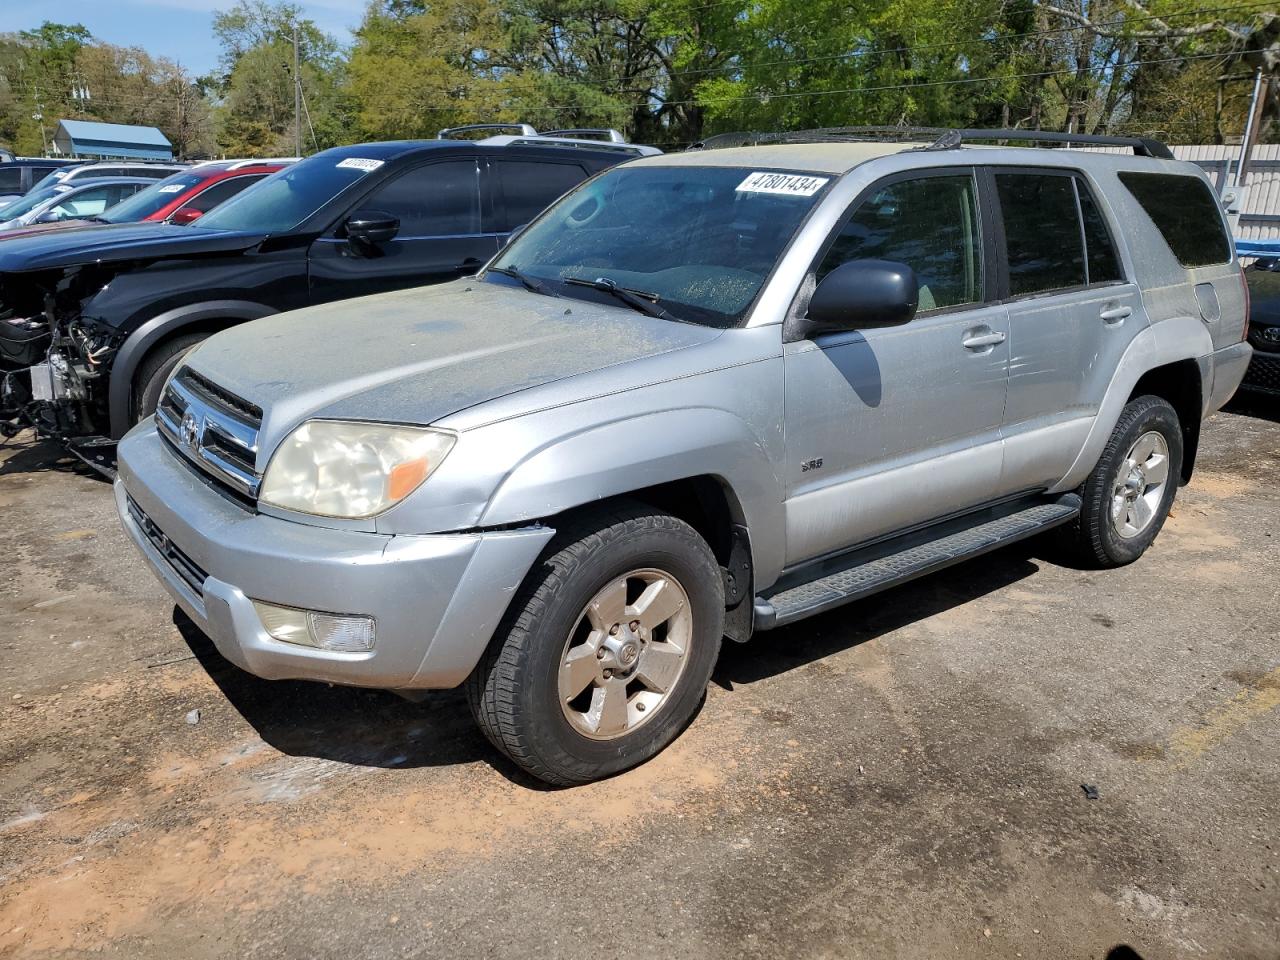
x,y
351,725
1260,406
777,651
376,728
25,455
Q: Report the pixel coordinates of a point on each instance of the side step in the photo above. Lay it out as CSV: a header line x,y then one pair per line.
x,y
896,561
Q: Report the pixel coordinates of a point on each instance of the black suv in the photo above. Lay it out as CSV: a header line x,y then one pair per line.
x,y
19,175
100,315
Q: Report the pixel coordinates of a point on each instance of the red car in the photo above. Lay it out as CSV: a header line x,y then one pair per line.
x,y
189,195
182,198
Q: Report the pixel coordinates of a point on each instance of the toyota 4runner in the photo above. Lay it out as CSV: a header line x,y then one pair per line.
x,y
702,395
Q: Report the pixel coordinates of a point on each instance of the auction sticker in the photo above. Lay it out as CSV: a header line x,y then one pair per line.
x,y
171,188
786,184
359,163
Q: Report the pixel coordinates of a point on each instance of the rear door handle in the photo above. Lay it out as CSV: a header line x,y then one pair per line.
x,y
1115,314
977,340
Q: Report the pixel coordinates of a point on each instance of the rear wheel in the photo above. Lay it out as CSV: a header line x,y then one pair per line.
x,y
154,371
606,652
1127,497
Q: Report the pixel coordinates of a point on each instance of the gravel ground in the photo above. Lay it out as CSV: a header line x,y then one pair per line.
x,y
899,778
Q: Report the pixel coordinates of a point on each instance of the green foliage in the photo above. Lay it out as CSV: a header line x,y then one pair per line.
x,y
666,71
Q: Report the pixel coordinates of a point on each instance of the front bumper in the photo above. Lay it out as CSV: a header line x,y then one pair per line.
x,y
436,600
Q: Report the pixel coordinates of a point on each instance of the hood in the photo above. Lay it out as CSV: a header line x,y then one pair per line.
x,y
31,228
416,356
108,242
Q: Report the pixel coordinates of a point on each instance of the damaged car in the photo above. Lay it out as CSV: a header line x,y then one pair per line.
x,y
94,319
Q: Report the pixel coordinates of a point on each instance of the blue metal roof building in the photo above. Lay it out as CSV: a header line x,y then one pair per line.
x,y
110,141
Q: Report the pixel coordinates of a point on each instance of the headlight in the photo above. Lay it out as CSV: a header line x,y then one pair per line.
x,y
336,468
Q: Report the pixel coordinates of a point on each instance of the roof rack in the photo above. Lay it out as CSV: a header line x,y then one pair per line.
x,y
606,133
938,138
451,133
1142,146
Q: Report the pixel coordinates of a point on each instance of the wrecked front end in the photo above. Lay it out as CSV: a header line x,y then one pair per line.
x,y
54,361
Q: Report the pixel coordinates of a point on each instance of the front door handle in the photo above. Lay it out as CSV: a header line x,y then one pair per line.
x,y
1115,314
978,340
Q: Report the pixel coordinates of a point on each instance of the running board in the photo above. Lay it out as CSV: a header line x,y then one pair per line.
x,y
890,563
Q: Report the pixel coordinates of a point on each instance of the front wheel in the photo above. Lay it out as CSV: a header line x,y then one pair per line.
x,y
155,369
605,654
1127,497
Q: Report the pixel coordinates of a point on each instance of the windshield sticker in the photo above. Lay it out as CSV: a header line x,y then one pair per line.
x,y
786,184
171,188
358,163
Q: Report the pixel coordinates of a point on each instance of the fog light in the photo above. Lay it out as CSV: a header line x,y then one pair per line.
x,y
325,631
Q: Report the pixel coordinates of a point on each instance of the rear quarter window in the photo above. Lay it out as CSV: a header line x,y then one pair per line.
x,y
1186,213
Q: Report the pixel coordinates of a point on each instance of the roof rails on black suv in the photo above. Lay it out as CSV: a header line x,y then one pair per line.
x,y
595,138
934,138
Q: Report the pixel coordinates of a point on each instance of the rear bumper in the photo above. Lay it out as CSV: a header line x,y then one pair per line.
x,y
435,600
1229,366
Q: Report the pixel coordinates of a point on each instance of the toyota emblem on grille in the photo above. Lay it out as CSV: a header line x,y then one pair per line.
x,y
189,432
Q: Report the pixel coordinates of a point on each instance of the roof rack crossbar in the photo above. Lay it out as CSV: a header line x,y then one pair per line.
x,y
1142,146
607,133
451,133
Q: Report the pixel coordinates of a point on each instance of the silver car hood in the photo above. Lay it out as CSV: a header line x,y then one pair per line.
x,y
416,356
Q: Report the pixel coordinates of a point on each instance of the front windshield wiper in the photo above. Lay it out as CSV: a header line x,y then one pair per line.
x,y
646,303
531,284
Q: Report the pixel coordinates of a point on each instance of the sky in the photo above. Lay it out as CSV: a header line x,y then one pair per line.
x,y
179,30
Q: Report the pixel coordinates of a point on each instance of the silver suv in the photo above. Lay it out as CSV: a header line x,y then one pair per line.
x,y
702,395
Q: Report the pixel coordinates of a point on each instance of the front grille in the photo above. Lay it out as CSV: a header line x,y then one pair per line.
x,y
179,562
212,429
1263,373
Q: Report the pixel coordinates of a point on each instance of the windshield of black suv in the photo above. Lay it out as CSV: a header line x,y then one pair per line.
x,y
694,242
283,200
150,199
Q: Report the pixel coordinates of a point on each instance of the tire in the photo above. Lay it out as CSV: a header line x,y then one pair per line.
x,y
1098,538
522,691
154,371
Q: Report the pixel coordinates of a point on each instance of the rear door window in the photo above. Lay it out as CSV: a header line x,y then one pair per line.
x,y
1100,251
10,179
1186,213
528,187
1043,240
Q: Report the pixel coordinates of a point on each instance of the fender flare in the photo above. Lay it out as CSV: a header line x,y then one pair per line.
x,y
141,340
1162,343
633,453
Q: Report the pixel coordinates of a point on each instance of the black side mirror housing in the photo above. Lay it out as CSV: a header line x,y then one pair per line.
x,y
861,294
371,228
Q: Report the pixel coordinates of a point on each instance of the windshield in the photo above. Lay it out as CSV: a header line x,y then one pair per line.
x,y
697,242
31,200
283,200
147,201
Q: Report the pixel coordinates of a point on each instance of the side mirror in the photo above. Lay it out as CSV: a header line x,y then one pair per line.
x,y
515,232
186,215
861,294
371,227
49,216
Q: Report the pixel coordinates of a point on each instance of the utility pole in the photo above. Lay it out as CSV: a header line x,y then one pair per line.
x,y
1239,184
297,98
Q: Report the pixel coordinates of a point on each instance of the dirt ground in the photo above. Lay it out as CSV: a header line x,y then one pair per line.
x,y
899,778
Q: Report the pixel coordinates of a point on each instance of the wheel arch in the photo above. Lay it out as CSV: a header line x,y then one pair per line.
x,y
208,317
701,464
1180,384
1171,355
